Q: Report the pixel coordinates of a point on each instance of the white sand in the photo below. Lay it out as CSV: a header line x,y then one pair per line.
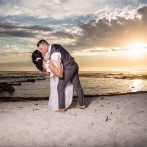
x,y
126,125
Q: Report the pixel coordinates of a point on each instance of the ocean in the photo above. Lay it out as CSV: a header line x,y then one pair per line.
x,y
36,85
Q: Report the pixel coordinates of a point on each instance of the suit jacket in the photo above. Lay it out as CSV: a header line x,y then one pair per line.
x,y
66,59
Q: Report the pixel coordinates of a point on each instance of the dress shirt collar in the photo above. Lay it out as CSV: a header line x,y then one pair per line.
x,y
49,49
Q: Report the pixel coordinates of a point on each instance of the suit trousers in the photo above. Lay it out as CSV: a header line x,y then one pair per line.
x,y
70,75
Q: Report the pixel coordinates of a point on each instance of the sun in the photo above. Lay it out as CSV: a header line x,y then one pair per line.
x,y
136,48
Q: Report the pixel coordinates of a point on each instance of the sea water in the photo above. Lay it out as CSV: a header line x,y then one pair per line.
x,y
93,83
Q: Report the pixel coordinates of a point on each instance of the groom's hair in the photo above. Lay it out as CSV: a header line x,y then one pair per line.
x,y
41,42
37,59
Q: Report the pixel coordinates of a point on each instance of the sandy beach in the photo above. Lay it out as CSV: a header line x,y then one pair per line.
x,y
108,121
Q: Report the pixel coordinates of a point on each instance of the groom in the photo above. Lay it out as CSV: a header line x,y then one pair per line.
x,y
70,72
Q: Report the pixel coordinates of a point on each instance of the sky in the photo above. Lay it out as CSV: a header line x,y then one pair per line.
x,y
102,35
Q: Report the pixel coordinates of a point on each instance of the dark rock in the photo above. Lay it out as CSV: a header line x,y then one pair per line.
x,y
6,87
17,84
30,80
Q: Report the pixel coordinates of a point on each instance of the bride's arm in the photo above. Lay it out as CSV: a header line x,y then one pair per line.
x,y
56,70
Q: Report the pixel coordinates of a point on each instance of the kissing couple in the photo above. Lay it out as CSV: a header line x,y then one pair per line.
x,y
63,72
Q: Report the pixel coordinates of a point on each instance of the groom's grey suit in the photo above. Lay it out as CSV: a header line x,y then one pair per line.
x,y
70,73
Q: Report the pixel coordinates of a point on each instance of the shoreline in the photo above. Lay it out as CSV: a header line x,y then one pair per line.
x,y
21,99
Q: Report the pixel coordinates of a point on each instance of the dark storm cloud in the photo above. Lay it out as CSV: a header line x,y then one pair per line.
x,y
112,33
143,12
35,27
16,33
8,29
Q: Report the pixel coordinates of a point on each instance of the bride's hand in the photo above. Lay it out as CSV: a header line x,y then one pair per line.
x,y
46,73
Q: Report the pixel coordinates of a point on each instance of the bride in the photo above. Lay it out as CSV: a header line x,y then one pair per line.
x,y
55,68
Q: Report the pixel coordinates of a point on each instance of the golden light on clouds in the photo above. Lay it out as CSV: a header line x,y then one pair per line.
x,y
98,34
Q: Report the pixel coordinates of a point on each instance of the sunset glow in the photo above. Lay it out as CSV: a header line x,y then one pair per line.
x,y
99,35
136,49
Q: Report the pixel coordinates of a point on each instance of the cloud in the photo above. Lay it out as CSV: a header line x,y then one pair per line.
x,y
96,28
143,1
16,33
102,24
60,2
11,30
59,9
143,12
63,35
98,51
117,31
34,27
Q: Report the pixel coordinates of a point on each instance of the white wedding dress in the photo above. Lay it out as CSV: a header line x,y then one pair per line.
x,y
53,98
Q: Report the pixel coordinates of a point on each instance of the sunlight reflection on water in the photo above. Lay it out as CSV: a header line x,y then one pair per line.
x,y
99,84
137,85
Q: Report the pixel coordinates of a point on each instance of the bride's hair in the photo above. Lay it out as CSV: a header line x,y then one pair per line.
x,y
37,59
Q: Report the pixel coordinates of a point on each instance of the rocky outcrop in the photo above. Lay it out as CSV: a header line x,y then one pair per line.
x,y
6,87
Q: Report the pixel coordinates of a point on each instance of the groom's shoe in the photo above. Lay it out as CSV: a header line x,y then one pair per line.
x,y
82,106
61,110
